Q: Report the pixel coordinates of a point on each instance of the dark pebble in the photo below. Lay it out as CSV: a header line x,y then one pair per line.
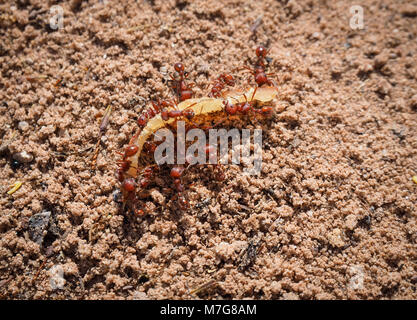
x,y
37,226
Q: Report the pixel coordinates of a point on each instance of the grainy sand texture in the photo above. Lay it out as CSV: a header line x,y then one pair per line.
x,y
332,214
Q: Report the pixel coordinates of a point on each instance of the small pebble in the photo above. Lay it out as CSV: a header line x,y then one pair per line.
x,y
117,196
335,238
23,157
357,277
137,295
23,126
316,35
157,196
163,70
351,221
57,280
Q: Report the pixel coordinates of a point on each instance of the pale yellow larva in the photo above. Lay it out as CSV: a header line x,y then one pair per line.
x,y
200,106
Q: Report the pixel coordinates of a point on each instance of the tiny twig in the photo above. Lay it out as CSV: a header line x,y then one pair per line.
x,y
103,127
39,270
256,24
204,286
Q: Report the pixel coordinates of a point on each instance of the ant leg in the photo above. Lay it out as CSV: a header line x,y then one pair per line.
x,y
253,94
272,83
253,109
236,99
251,100
248,103
247,68
201,109
193,104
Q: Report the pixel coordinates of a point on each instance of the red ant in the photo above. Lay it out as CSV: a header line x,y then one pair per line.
x,y
239,107
246,107
162,108
124,164
147,174
175,113
261,77
129,186
219,83
151,112
176,173
181,88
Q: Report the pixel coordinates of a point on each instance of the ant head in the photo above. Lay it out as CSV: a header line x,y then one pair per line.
x,y
129,184
179,67
261,52
131,150
164,114
246,107
176,172
142,121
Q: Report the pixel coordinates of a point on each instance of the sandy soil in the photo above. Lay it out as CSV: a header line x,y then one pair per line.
x,y
333,214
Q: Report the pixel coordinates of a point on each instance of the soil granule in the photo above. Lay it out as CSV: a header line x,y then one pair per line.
x,y
333,213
